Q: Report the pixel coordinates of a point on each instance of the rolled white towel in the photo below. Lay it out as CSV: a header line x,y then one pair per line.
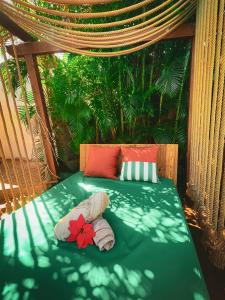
x,y
104,237
90,208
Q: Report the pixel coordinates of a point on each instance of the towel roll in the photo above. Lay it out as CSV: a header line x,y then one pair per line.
x,y
104,238
90,208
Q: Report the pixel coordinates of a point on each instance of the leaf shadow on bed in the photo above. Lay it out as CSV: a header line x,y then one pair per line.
x,y
73,273
82,273
34,266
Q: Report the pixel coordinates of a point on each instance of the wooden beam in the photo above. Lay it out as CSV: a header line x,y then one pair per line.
x,y
183,31
16,30
35,80
34,48
40,48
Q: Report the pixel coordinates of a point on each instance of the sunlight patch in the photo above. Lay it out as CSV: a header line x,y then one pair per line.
x,y
148,188
81,291
29,283
98,276
73,277
43,261
27,260
85,267
168,222
119,271
149,274
101,293
10,292
198,296
197,272
92,188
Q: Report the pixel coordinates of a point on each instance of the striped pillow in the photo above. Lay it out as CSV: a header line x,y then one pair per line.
x,y
139,171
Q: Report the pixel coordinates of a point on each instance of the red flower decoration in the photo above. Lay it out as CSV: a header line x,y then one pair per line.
x,y
81,232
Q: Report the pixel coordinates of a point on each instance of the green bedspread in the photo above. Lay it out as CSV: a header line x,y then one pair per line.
x,y
153,258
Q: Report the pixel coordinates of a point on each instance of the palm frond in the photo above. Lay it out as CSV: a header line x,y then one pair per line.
x,y
170,81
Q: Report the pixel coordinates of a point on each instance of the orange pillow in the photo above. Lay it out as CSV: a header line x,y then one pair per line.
x,y
102,161
144,154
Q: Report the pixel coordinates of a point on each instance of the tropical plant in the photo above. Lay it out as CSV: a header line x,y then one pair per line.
x,y
139,98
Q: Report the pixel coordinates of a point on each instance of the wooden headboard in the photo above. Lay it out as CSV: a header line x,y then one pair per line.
x,y
167,157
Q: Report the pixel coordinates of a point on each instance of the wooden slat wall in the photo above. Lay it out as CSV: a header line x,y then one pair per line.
x,y
167,157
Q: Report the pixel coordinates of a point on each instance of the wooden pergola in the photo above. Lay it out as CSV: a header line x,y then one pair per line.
x,y
206,105
30,49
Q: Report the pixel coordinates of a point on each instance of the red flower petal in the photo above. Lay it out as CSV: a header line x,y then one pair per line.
x,y
80,221
81,232
71,238
73,228
88,227
89,240
88,230
81,243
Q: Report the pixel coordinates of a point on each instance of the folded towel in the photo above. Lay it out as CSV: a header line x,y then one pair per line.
x,y
104,237
90,208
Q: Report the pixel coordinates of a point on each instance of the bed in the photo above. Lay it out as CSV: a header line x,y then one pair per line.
x,y
153,258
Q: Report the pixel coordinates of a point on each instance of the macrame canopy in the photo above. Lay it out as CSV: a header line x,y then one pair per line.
x,y
110,32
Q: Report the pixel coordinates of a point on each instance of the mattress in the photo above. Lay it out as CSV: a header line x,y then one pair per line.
x,y
153,257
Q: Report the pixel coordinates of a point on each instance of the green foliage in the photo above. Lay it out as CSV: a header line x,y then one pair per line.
x,y
13,72
15,82
140,98
31,109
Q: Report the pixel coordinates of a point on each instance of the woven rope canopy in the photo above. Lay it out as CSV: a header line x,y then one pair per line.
x,y
110,32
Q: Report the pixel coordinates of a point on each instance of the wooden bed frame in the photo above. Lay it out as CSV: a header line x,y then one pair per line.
x,y
167,157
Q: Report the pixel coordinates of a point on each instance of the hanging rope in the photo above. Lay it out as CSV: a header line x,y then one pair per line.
x,y
21,173
128,40
82,2
87,15
70,30
95,36
207,148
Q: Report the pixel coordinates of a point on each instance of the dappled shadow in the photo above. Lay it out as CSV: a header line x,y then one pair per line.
x,y
147,208
153,247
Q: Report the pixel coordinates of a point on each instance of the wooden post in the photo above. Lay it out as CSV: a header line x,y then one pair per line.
x,y
35,80
190,107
